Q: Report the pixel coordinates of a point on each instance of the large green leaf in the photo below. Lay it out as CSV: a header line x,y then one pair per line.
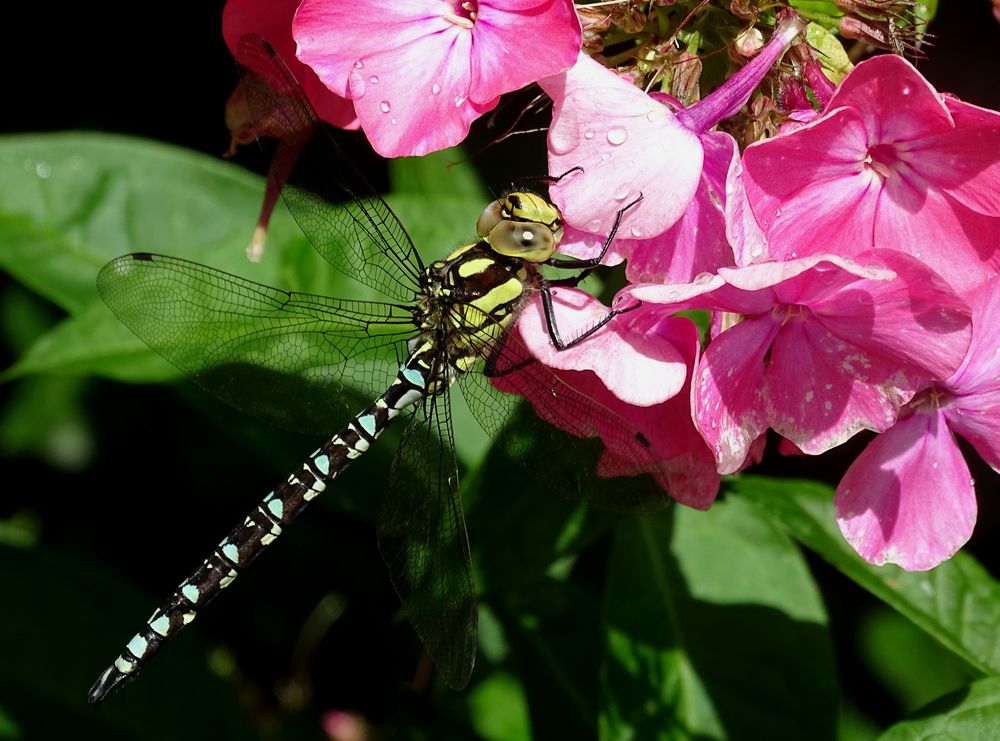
x,y
970,714
714,626
957,603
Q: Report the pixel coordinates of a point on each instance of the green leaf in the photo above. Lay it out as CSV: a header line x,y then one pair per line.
x,y
446,174
957,603
499,709
714,625
74,201
832,57
910,664
969,714
93,342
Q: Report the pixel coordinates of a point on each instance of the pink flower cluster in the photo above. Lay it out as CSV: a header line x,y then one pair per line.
x,y
848,265
849,269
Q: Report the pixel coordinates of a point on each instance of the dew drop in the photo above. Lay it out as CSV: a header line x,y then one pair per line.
x,y
588,134
43,170
384,106
373,79
622,194
359,65
635,231
394,122
605,156
435,89
617,136
459,100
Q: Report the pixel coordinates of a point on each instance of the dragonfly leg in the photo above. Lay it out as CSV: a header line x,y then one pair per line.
x,y
589,264
553,327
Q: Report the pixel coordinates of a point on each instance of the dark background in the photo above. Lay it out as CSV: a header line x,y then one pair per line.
x,y
163,72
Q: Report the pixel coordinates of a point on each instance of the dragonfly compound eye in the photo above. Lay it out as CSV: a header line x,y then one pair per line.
x,y
489,218
525,240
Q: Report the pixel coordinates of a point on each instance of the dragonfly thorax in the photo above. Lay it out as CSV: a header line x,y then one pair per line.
x,y
469,300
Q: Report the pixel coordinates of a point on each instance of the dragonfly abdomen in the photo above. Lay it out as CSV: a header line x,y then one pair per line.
x,y
264,523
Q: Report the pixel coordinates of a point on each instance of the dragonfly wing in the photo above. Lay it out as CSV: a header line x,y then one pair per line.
x,y
338,210
423,540
283,357
543,443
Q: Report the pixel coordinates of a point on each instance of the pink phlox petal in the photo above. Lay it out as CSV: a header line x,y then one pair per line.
x,y
820,391
797,119
787,447
727,396
414,100
803,186
333,35
914,321
805,279
506,40
908,498
980,370
896,102
973,407
691,295
743,232
957,242
627,144
697,243
963,162
638,366
586,246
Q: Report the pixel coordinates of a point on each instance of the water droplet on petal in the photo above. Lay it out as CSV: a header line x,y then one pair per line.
x,y
617,136
605,156
394,122
435,89
384,106
636,231
374,79
622,194
43,170
588,134
459,100
359,65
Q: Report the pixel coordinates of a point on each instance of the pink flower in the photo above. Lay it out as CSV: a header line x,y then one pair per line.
x,y
890,164
627,142
421,71
908,499
635,372
825,347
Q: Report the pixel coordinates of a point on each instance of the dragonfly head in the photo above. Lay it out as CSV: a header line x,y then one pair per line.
x,y
522,225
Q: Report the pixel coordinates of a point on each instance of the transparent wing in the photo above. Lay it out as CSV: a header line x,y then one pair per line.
x,y
283,357
570,437
423,540
338,210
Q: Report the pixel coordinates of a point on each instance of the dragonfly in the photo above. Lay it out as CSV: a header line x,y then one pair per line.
x,y
282,356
